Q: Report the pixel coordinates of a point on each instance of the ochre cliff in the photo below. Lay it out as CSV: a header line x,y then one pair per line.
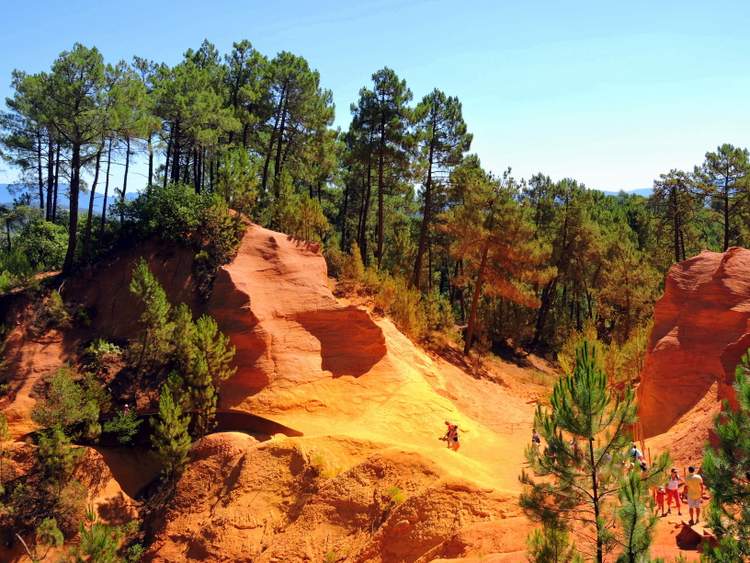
x,y
701,329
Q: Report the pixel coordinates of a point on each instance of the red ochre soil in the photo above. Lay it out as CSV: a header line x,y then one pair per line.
x,y
329,446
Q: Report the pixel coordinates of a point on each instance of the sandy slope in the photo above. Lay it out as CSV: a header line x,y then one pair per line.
x,y
368,479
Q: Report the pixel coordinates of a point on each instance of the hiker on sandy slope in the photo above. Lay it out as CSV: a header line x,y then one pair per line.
x,y
451,436
536,439
673,491
694,486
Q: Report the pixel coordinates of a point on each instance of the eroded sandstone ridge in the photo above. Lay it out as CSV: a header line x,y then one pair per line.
x,y
701,329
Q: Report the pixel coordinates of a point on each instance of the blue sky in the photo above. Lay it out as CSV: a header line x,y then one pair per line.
x,y
609,93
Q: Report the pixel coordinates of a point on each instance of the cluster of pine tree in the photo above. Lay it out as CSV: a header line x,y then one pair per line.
x,y
535,260
182,359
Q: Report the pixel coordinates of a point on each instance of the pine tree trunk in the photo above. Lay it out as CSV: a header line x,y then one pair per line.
x,y
279,144
50,177
150,149
381,156
271,141
595,501
75,171
168,156
344,212
471,325
89,217
426,217
676,225
106,187
125,179
39,169
366,209
726,213
57,183
176,155
541,317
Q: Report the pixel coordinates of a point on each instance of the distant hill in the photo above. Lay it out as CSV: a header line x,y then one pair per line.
x,y
7,196
645,192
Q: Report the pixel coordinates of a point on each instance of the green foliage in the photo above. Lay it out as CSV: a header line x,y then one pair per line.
x,y
551,544
98,541
72,404
200,220
353,269
302,217
237,180
170,438
47,536
209,362
726,467
153,346
43,244
100,354
586,434
50,312
396,495
125,425
622,362
637,519
57,457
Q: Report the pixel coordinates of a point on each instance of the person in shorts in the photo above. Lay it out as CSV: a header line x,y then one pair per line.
x,y
694,486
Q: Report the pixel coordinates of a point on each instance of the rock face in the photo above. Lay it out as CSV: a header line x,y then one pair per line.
x,y
359,473
701,329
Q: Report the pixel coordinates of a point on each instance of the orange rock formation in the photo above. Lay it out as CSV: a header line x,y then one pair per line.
x,y
701,328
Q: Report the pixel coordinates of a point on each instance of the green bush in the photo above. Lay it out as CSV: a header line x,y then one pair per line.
x,y
100,354
353,269
335,260
15,268
50,312
72,404
44,244
125,425
200,220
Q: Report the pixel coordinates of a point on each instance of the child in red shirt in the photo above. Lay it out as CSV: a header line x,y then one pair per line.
x,y
659,495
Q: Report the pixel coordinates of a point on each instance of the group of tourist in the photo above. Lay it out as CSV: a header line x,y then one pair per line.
x,y
692,493
692,484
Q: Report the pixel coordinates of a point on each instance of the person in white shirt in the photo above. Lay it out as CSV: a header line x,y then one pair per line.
x,y
673,491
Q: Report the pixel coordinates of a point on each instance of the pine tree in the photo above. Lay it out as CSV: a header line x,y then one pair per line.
x,y
723,178
494,241
637,519
170,438
551,544
57,457
726,470
393,116
581,468
153,346
75,108
676,201
442,140
211,365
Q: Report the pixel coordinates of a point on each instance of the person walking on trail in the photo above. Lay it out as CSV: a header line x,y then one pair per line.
x,y
451,436
673,491
694,486
636,454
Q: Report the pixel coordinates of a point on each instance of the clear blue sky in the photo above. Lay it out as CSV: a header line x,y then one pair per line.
x,y
610,93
